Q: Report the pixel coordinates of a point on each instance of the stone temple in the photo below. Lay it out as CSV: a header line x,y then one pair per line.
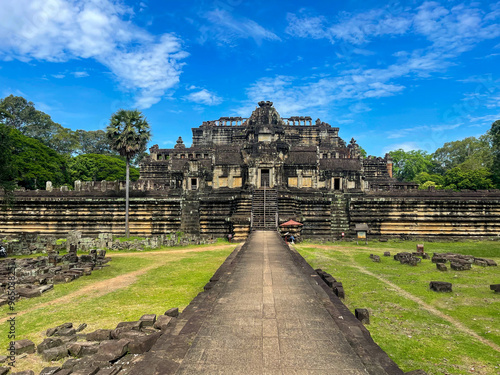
x,y
266,150
251,173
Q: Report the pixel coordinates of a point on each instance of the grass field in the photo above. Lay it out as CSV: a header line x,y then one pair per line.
x,y
441,333
136,283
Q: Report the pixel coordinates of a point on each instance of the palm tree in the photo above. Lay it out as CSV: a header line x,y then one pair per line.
x,y
128,133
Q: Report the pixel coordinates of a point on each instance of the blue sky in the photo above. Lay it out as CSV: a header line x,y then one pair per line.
x,y
409,75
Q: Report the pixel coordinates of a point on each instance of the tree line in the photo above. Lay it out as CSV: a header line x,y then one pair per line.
x,y
34,149
471,163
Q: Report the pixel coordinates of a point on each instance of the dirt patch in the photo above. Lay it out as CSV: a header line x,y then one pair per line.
x,y
163,252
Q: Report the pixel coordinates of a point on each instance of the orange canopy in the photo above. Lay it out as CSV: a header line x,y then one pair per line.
x,y
291,223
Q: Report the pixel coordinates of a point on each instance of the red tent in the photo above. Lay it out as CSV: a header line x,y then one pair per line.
x,y
291,223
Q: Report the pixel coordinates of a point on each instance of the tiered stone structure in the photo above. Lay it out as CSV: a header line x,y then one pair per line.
x,y
258,172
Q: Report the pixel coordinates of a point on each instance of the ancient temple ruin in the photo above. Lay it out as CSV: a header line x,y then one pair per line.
x,y
242,174
266,150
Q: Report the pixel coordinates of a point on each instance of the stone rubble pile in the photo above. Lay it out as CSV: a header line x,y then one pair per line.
x,y
104,351
34,276
31,243
459,262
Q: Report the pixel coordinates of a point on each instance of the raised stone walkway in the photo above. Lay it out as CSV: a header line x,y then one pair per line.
x,y
267,313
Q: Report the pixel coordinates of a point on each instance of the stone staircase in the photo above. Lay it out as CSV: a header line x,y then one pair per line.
x,y
264,209
241,218
339,216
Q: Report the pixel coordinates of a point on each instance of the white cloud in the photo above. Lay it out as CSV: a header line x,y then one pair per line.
x,y
405,146
62,30
486,119
80,74
423,129
447,32
226,29
58,76
292,95
204,97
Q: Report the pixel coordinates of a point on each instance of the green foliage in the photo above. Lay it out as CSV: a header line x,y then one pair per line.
x,y
32,163
96,167
93,142
36,124
128,133
17,112
458,179
424,177
7,170
408,164
494,133
474,153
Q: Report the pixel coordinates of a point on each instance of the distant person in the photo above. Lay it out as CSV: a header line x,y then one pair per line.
x,y
229,237
3,252
292,239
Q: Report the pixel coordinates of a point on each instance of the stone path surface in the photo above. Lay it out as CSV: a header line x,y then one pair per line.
x,y
268,316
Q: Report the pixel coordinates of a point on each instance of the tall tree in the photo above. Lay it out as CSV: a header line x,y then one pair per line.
x,y
471,152
98,167
7,170
93,142
128,133
33,123
494,132
408,164
28,163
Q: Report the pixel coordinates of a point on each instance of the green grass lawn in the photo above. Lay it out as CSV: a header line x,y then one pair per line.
x,y
173,278
417,327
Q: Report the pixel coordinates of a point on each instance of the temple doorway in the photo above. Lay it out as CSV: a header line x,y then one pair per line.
x,y
264,178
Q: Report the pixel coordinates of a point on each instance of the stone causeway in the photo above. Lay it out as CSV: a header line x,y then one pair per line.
x,y
266,311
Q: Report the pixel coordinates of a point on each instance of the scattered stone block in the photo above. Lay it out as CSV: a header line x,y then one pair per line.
x,y
162,322
55,354
24,346
387,253
440,286
173,312
375,258
99,335
65,332
28,292
139,341
52,331
495,288
438,259
4,370
489,262
49,343
459,266
81,349
26,372
3,358
81,327
136,325
420,248
329,280
441,267
111,350
148,320
362,315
